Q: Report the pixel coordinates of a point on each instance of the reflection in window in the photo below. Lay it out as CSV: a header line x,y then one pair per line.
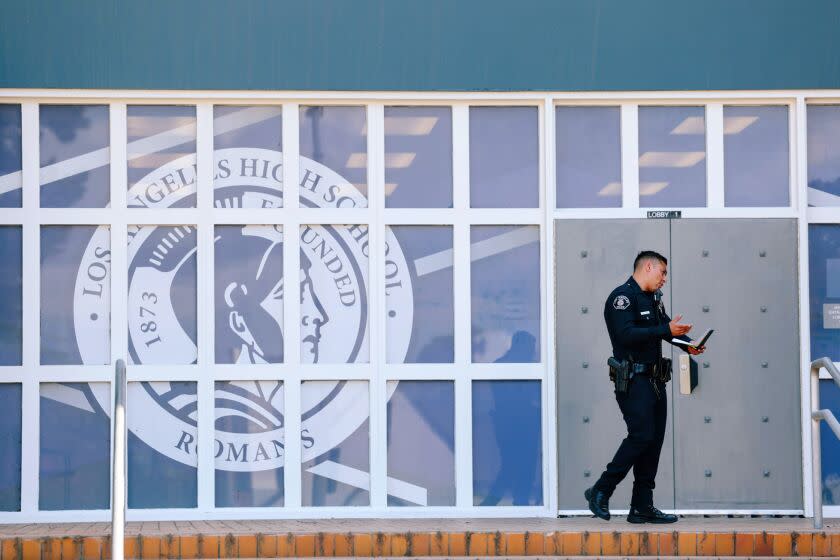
x,y
75,158
756,158
10,446
249,294
11,180
823,155
248,149
504,157
161,156
335,448
672,156
334,294
250,443
421,443
11,304
505,290
162,417
507,443
75,458
419,295
75,294
830,399
588,157
418,157
824,278
162,294
333,157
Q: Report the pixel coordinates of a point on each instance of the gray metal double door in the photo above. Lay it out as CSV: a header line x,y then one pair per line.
x,y
734,443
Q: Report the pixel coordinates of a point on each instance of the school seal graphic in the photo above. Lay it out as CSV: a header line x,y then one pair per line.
x,y
249,287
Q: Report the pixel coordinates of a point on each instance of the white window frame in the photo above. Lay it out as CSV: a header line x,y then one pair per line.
x,y
30,374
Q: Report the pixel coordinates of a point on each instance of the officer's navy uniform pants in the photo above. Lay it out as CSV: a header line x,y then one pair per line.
x,y
645,414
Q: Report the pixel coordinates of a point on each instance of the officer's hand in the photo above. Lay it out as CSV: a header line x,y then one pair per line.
x,y
696,351
678,329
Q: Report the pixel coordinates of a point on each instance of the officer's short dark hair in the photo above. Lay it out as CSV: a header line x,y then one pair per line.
x,y
647,256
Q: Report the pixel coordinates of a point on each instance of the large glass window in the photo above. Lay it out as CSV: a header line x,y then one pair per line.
x,y
11,304
824,155
202,272
505,278
756,157
161,156
672,156
162,294
588,157
250,443
335,447
333,157
11,180
419,297
248,157
504,157
162,420
421,443
507,443
824,275
418,157
75,453
10,446
75,294
75,158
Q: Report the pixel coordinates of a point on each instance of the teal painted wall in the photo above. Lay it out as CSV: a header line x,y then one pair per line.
x,y
498,45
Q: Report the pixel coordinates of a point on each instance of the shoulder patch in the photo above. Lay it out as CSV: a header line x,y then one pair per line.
x,y
621,302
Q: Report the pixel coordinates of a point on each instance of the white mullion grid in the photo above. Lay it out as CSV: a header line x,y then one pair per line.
x,y
505,371
74,374
118,219
12,374
821,214
119,242
630,155
205,384
714,156
793,116
480,216
269,372
258,216
11,216
30,401
376,316
461,287
549,395
800,148
291,305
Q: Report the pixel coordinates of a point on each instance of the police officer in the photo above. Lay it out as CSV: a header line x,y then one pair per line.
x,y
637,324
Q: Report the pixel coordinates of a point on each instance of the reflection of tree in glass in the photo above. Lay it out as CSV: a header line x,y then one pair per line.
x,y
65,123
10,135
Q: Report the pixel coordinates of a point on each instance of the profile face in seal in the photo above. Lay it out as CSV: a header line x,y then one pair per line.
x,y
251,321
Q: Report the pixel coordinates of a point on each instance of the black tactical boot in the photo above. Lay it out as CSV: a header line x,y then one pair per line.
x,y
599,503
649,514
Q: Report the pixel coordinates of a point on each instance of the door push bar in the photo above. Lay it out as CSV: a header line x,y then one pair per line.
x,y
818,414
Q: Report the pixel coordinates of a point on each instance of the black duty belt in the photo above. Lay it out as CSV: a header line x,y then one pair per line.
x,y
643,369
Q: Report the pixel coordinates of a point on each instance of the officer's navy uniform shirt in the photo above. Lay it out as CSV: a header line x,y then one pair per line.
x,y
637,323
